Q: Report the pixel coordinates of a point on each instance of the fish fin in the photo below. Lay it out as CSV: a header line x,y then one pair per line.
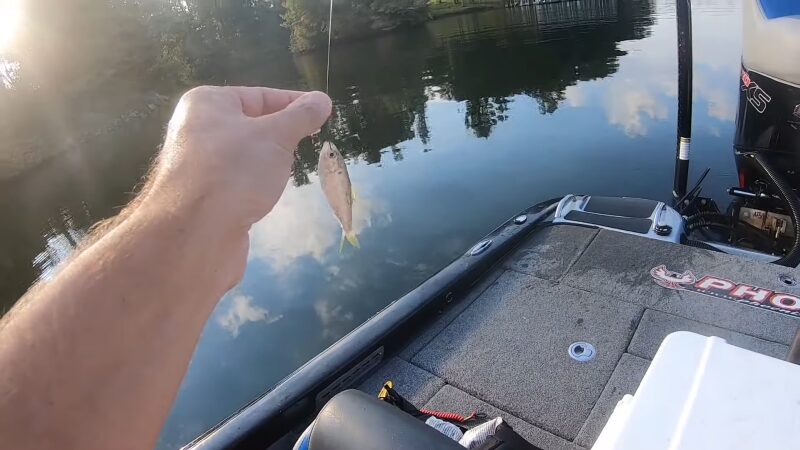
x,y
353,194
352,238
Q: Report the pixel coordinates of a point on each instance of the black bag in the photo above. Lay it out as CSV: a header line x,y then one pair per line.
x,y
505,438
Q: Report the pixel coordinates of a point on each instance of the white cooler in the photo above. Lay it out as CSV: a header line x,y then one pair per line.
x,y
701,393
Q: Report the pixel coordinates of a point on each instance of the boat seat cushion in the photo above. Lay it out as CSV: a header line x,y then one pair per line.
x,y
353,420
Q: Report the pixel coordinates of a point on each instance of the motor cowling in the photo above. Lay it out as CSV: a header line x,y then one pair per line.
x,y
768,120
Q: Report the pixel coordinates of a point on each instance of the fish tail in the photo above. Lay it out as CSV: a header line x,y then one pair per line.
x,y
352,238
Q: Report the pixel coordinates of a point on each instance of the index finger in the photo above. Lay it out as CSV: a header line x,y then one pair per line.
x,y
260,101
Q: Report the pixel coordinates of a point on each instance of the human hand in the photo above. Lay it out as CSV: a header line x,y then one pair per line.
x,y
231,149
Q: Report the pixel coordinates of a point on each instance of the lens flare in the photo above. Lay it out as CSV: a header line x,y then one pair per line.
x,y
10,17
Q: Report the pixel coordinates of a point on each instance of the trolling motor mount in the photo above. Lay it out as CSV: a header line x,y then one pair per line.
x,y
637,216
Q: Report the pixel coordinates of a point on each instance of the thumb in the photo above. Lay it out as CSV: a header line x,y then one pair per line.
x,y
299,119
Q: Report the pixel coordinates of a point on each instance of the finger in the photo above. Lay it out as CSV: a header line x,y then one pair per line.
x,y
260,101
299,119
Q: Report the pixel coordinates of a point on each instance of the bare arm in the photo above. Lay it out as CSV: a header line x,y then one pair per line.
x,y
94,358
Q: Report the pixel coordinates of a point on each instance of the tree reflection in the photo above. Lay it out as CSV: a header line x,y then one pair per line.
x,y
421,126
122,55
308,20
381,87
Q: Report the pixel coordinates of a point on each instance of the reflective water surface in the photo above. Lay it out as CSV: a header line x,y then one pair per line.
x,y
449,128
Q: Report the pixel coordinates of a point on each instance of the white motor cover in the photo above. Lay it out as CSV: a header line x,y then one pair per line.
x,y
771,46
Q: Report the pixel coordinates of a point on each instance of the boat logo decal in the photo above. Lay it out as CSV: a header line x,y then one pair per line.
x,y
672,280
728,290
755,95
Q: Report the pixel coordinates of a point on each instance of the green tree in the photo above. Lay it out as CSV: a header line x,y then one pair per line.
x,y
308,20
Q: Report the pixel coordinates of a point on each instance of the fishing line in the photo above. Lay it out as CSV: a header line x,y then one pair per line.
x,y
330,31
317,138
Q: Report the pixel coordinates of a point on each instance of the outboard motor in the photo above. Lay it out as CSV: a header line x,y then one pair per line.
x,y
768,121
767,143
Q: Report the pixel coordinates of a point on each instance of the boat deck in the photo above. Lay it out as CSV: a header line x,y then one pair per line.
x,y
502,350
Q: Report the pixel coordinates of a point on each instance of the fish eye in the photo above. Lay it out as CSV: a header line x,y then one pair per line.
x,y
330,155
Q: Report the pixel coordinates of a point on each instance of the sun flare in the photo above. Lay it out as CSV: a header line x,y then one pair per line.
x,y
10,17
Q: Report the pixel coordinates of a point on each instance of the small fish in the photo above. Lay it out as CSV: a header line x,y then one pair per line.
x,y
337,188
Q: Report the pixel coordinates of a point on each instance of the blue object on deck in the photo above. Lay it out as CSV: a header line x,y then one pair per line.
x,y
774,9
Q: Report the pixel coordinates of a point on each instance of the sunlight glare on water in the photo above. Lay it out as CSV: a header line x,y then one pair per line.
x,y
10,18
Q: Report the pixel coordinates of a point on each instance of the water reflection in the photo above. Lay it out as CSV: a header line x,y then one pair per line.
x,y
480,59
630,106
448,128
276,240
239,311
60,241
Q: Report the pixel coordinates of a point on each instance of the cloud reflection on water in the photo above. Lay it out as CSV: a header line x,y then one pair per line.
x,y
333,316
575,96
241,312
645,88
627,106
302,224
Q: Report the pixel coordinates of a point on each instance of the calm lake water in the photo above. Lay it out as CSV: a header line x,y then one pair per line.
x,y
449,128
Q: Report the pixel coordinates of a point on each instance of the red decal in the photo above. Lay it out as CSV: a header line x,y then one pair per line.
x,y
785,301
728,290
755,294
672,280
714,283
756,96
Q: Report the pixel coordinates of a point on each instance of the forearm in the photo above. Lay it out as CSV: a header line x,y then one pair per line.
x,y
94,357
114,331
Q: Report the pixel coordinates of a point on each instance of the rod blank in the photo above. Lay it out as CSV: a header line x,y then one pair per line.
x,y
684,20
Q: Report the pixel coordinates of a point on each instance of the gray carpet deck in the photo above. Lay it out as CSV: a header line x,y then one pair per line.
x,y
656,325
618,265
502,350
625,379
551,251
445,317
510,347
414,384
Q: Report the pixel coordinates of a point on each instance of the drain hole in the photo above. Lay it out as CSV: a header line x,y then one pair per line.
x,y
787,279
581,351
